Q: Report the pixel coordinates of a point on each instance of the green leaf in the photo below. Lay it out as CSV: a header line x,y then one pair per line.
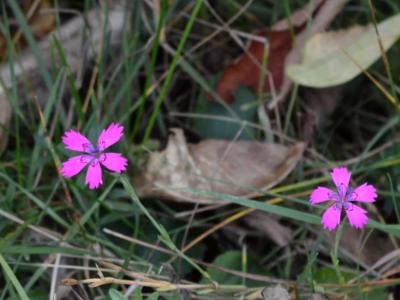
x,y
219,122
14,280
116,295
333,58
153,296
233,260
138,294
329,275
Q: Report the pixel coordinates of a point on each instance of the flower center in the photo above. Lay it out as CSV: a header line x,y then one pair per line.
x,y
344,197
95,154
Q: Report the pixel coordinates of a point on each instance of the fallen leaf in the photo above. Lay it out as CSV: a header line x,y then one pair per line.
x,y
365,250
269,225
322,18
319,104
299,17
72,36
223,123
41,21
246,71
333,58
240,168
282,51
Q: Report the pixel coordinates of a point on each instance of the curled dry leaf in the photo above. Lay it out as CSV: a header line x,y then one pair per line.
x,y
77,47
247,70
241,168
282,50
320,104
333,58
41,19
365,251
269,225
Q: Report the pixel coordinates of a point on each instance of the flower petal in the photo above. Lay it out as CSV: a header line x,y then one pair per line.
x,y
321,194
331,217
75,141
357,216
93,175
341,177
74,165
114,161
364,193
110,136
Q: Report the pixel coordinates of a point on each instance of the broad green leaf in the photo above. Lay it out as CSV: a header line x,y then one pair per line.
x,y
219,122
153,296
233,260
333,58
116,295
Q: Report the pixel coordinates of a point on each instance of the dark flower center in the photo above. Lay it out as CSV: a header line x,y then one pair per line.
x,y
343,197
94,154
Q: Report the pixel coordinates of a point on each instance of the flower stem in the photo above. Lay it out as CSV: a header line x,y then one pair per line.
x,y
334,253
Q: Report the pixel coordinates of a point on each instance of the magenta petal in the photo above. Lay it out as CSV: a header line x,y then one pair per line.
x,y
341,177
320,194
114,162
365,193
331,217
75,141
74,165
110,136
357,216
93,175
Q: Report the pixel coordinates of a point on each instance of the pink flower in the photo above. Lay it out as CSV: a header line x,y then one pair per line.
x,y
94,156
344,198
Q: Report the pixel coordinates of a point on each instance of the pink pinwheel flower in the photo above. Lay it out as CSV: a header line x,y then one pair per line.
x,y
93,155
344,198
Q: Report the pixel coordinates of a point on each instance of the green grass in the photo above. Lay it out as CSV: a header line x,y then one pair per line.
x,y
53,228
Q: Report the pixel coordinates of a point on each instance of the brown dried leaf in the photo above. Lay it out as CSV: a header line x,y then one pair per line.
x,y
320,104
241,168
365,251
322,19
282,52
269,225
40,19
77,47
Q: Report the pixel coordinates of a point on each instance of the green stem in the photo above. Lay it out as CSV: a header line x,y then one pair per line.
x,y
164,236
177,56
150,70
334,253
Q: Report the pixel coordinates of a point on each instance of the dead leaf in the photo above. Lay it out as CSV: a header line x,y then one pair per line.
x,y
321,21
333,58
270,226
319,105
299,17
246,70
367,252
240,168
77,46
40,19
